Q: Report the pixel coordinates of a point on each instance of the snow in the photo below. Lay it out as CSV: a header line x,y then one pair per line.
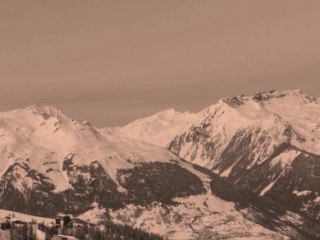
x,y
67,237
303,114
302,193
190,218
285,158
5,235
93,216
227,172
267,188
24,217
317,200
40,235
272,112
156,129
43,137
293,218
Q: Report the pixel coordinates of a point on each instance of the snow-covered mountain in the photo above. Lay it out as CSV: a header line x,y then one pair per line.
x,y
268,142
52,164
43,137
156,129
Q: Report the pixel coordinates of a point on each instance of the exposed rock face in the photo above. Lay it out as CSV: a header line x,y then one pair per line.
x,y
25,190
268,142
52,164
272,156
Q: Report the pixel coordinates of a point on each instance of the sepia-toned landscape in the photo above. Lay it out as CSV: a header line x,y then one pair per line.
x,y
159,120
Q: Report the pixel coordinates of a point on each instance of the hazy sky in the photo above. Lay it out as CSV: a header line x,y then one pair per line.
x,y
110,62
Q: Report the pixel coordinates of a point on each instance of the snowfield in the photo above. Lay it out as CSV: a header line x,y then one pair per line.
x,y
24,217
156,129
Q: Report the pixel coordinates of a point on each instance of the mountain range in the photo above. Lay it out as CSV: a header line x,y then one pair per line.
x,y
268,142
247,167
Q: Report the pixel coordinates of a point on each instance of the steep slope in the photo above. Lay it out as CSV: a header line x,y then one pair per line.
x,y
43,137
48,159
268,142
222,212
52,164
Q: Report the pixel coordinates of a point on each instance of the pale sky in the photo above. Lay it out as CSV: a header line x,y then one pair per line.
x,y
111,62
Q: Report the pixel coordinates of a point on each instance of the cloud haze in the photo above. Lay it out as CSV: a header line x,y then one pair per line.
x,y
113,61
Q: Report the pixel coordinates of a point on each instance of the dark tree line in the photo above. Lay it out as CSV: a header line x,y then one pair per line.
x,y
111,231
22,232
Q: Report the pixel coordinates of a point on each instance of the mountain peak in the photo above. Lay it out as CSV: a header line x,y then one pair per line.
x,y
265,96
170,113
43,110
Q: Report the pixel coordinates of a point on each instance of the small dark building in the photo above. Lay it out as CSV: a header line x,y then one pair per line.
x,y
66,220
63,221
58,221
5,225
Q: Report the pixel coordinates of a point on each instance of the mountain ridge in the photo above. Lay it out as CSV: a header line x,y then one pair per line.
x,y
247,137
53,164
